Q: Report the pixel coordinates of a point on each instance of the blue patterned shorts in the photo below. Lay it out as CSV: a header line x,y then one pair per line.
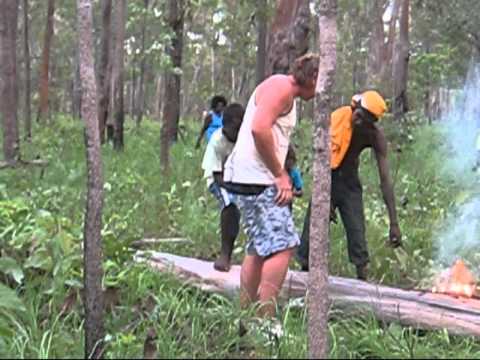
x,y
269,227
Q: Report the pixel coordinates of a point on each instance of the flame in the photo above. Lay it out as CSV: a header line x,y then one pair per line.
x,y
457,280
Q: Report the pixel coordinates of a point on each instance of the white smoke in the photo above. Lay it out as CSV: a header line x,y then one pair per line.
x,y
459,236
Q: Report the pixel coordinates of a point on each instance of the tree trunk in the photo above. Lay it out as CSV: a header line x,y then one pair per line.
x,y
261,17
376,45
105,69
118,74
141,89
28,76
159,98
387,64
318,303
400,66
171,109
77,87
8,79
45,65
288,35
354,298
92,241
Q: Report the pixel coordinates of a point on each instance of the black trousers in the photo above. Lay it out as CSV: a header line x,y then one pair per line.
x,y
347,197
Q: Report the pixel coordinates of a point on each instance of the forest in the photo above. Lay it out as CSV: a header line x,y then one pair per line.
x,y
110,236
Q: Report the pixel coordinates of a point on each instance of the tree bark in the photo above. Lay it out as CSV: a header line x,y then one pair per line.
x,y
28,76
9,80
400,66
171,108
376,52
354,298
77,87
261,17
45,65
93,273
105,69
318,303
118,75
141,88
288,35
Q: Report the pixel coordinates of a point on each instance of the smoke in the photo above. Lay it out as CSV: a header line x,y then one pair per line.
x,y
460,233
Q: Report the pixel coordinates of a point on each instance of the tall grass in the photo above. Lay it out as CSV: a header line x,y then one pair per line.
x,y
46,209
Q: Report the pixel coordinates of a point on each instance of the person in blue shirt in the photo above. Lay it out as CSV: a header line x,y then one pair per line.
x,y
214,119
294,173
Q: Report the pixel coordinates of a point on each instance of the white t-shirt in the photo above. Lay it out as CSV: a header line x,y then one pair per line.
x,y
218,149
245,165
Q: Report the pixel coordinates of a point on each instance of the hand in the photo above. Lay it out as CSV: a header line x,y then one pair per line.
x,y
284,189
395,236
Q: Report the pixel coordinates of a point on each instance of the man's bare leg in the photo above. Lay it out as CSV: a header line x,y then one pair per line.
x,y
273,275
250,279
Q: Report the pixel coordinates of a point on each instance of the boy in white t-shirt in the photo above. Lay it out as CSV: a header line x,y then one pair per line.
x,y
218,149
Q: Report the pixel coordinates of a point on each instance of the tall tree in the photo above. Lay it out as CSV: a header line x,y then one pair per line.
x,y
28,87
45,64
261,18
8,79
92,270
76,86
400,65
288,35
376,46
105,68
141,87
318,303
172,80
118,74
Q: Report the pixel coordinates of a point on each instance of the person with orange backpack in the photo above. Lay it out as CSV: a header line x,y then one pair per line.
x,y
354,128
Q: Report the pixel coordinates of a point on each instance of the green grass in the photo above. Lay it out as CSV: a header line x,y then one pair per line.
x,y
41,224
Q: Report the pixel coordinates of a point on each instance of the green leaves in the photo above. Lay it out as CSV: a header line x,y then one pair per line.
x,y
10,267
9,299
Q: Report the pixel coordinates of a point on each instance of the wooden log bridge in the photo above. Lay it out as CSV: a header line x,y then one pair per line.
x,y
424,310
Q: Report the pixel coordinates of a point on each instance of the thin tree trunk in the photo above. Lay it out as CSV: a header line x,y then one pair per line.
x,y
28,76
261,17
376,45
288,35
45,65
171,109
118,75
318,302
93,273
159,98
8,79
387,65
105,69
400,67
141,90
77,87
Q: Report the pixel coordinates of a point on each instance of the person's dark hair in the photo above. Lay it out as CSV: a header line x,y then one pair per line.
x,y
305,68
232,121
233,112
216,100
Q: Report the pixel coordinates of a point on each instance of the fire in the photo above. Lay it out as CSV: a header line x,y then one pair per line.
x,y
457,280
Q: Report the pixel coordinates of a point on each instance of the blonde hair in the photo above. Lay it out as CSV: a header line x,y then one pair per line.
x,y
305,67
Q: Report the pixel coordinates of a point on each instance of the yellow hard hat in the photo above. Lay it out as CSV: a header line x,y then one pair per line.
x,y
371,101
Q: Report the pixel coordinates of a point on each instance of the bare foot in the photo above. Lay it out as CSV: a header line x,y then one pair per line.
x,y
222,264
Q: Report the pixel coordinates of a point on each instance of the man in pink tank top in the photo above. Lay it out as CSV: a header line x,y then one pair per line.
x,y
261,187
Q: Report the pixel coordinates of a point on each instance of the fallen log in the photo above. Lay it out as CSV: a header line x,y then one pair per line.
x,y
424,310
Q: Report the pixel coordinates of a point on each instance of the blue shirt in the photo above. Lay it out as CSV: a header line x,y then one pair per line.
x,y
296,177
216,123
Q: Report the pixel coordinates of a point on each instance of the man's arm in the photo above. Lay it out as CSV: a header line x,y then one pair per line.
x,y
272,100
380,148
206,123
